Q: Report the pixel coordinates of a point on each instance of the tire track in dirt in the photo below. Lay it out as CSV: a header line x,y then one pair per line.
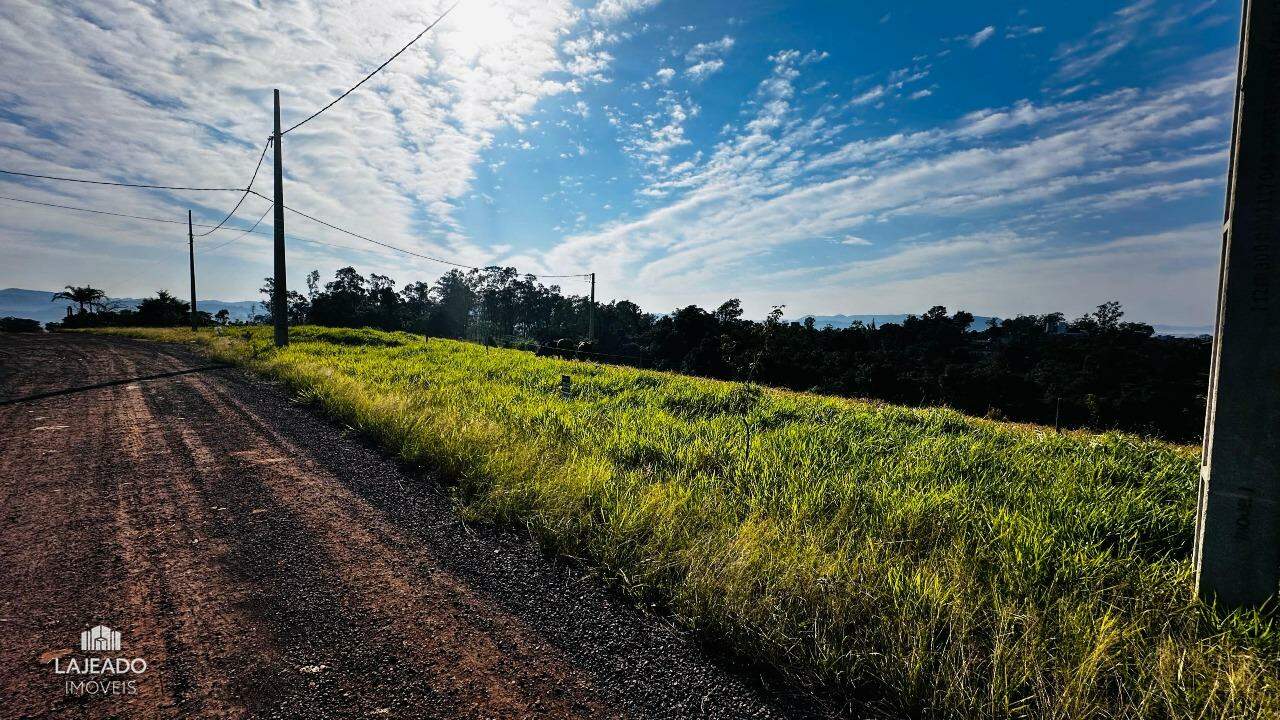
x,y
58,473
175,567
482,659
324,665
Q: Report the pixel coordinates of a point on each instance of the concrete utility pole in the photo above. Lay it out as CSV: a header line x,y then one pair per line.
x,y
280,298
191,258
591,311
1237,545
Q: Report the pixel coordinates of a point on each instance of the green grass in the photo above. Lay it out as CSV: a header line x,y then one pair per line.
x,y
916,561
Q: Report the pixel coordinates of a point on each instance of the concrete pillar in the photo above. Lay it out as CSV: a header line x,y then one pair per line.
x,y
1237,550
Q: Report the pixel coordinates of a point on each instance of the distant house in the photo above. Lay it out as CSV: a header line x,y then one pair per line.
x,y
1061,328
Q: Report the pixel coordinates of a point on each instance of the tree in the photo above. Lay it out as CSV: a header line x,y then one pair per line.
x,y
1108,315
82,296
222,316
347,281
729,310
344,301
454,300
1106,319
383,309
299,308
19,325
416,306
163,310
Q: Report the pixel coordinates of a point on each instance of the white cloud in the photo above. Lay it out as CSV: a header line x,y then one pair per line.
x,y
981,36
870,95
921,94
704,69
773,183
1164,277
1106,40
705,50
706,58
610,11
652,138
1020,31
590,65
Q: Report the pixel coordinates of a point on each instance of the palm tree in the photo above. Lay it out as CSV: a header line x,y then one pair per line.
x,y
82,296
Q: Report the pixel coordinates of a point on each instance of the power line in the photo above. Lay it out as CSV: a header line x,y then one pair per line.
x,y
162,220
371,240
253,229
97,212
247,189
375,72
244,191
241,235
400,249
121,184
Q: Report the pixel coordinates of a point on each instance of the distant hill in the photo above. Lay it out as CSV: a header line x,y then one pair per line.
x,y
844,321
1184,330
980,323
39,305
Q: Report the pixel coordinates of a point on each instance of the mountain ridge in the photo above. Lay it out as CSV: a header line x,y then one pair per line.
x,y
39,305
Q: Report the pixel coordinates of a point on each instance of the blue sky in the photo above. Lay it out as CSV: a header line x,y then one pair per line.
x,y
833,157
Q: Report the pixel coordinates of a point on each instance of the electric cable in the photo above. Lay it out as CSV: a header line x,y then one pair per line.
x,y
370,75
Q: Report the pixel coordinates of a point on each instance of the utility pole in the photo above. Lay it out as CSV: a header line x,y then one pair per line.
x,y
280,298
191,259
591,312
1237,544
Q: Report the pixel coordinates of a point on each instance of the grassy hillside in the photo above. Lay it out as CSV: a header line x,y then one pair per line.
x,y
918,561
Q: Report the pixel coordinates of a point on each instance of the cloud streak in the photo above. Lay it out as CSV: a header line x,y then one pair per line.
x,y
981,36
780,183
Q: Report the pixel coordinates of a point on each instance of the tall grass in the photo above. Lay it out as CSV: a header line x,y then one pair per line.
x,y
915,561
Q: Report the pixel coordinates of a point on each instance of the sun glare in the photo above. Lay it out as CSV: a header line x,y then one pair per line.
x,y
477,25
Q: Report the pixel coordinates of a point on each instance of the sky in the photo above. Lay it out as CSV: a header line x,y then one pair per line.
x,y
832,157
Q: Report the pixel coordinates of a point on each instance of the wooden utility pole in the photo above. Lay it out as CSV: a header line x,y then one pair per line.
x,y
280,298
1237,544
591,312
191,261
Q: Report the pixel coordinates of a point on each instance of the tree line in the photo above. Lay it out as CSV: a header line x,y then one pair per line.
x,y
95,309
1097,371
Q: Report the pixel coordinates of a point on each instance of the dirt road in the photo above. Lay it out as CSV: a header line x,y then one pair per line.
x,y
264,563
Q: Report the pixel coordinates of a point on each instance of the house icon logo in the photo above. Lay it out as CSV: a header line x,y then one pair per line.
x,y
100,639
